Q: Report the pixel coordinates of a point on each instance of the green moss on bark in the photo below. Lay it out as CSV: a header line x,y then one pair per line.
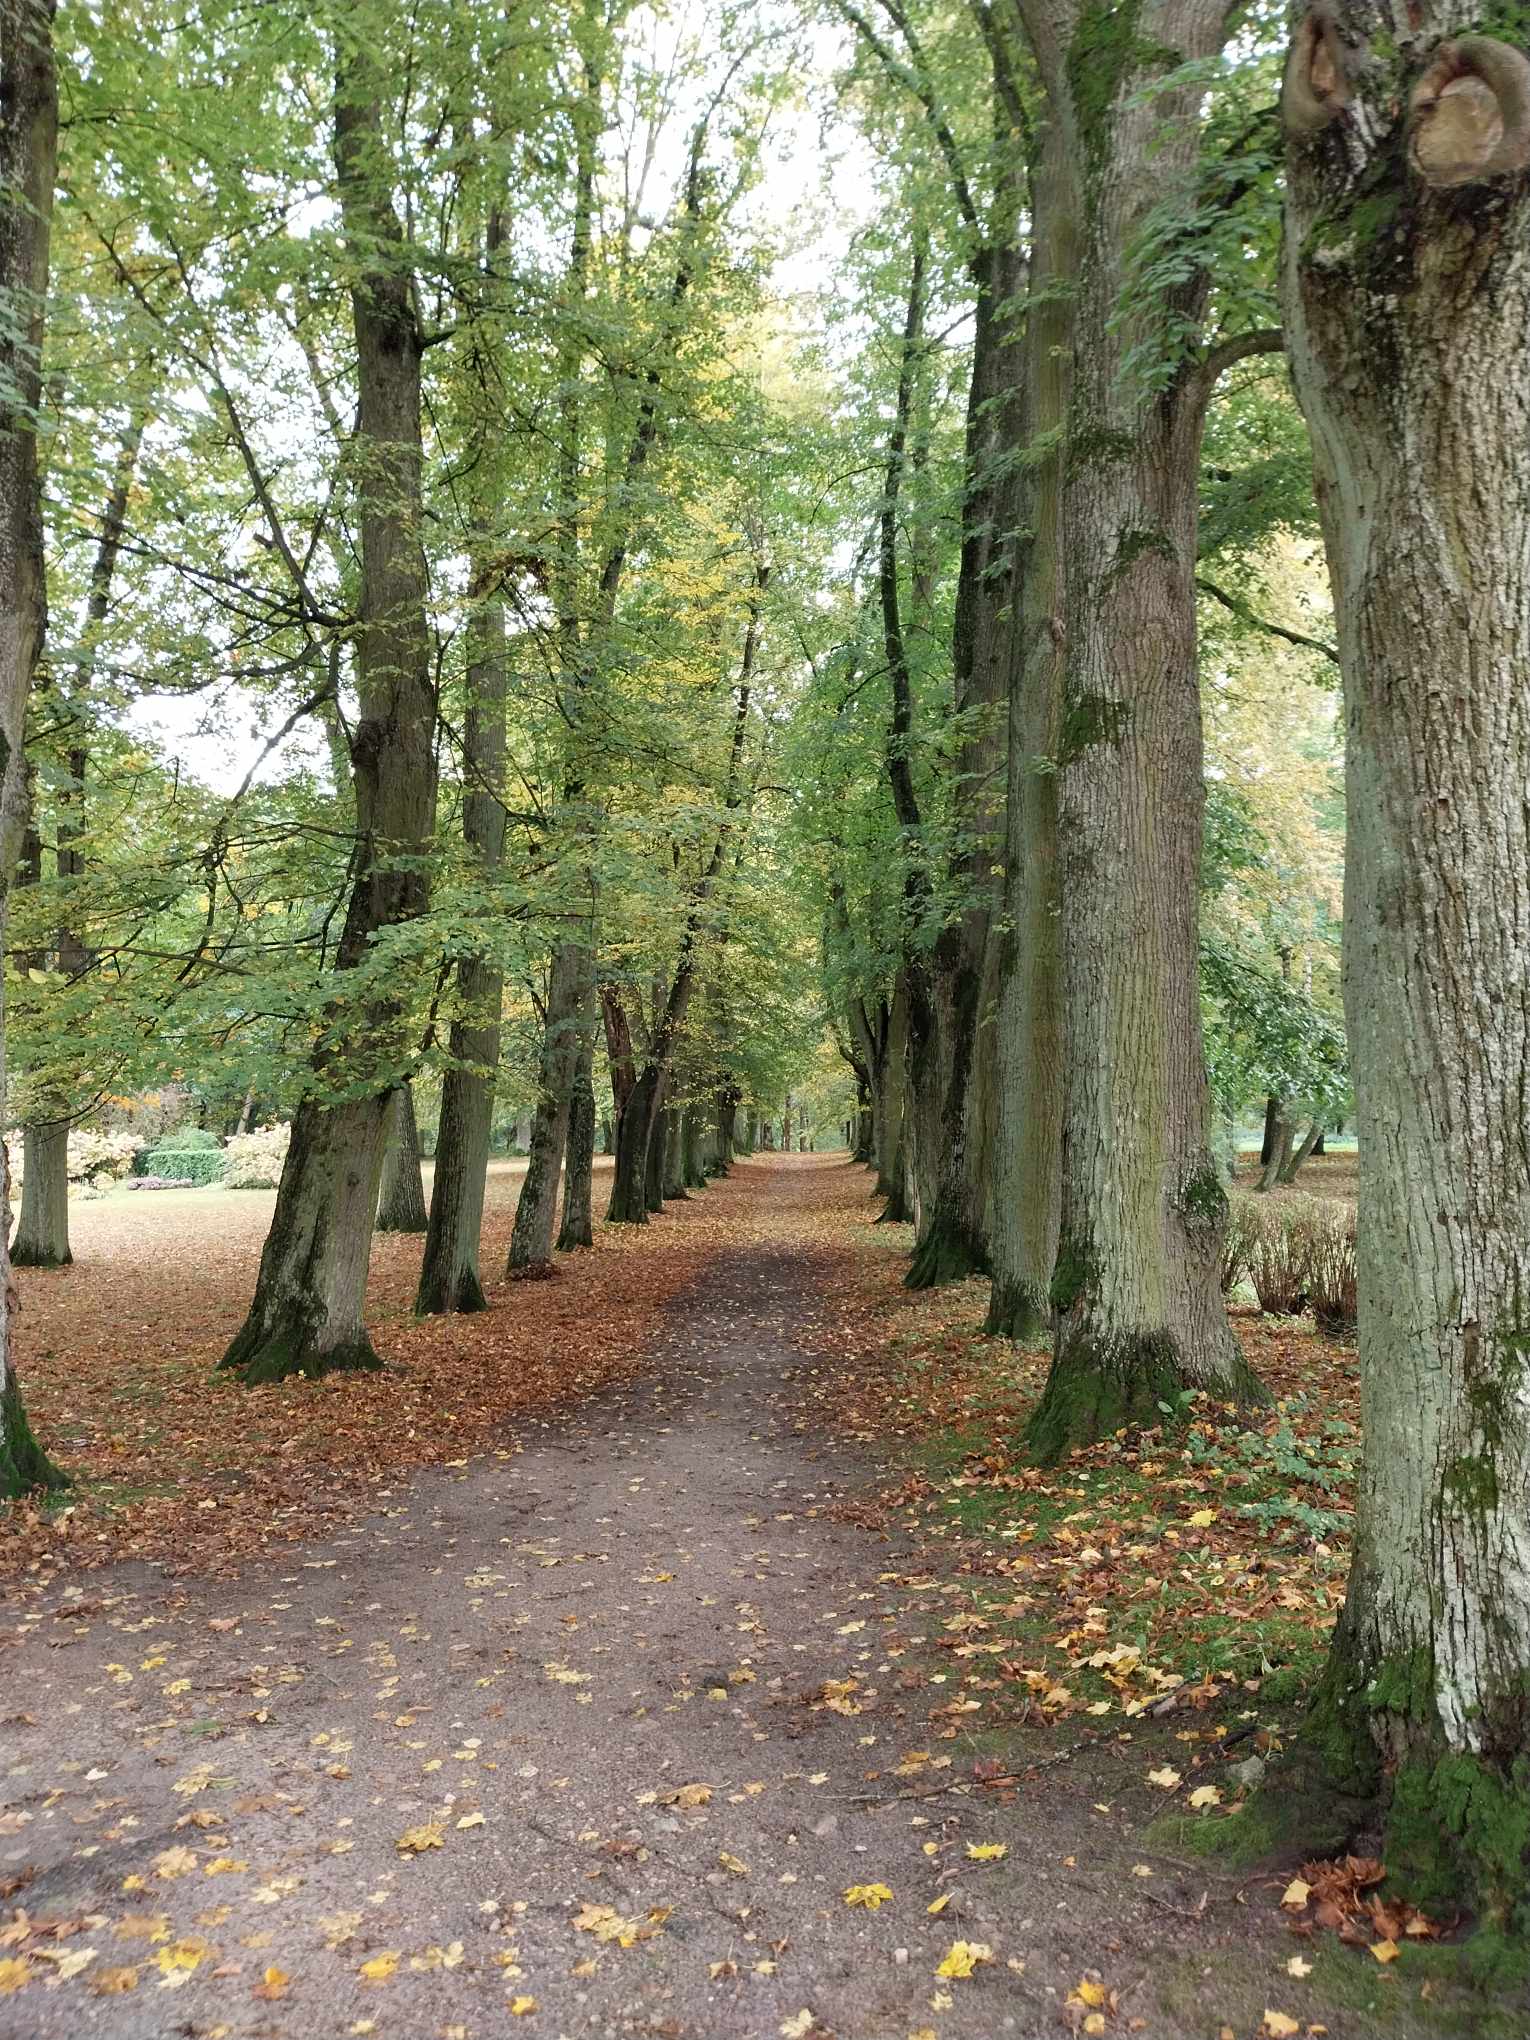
x,y
260,1355
1018,1311
1098,1387
24,1466
949,1252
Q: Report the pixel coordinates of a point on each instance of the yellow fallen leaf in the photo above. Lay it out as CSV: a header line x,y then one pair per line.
x,y
471,1820
732,1863
181,1955
1384,1951
416,1840
693,1795
273,1985
522,2006
1094,2023
798,2025
1206,1795
868,1895
15,1973
1296,1893
1202,1519
987,1852
172,1863
1166,1779
1089,1992
1277,2026
1298,1967
222,1866
963,1957
380,1967
940,1903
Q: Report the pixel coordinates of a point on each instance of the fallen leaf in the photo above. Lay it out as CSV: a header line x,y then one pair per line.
x,y
1296,1893
987,1852
1167,1778
868,1895
1206,1795
416,1840
380,1967
1298,1966
1384,1951
1278,2027
963,1957
273,1985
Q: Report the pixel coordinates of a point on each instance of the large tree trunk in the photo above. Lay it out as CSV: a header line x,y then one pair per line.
x,y
28,151
449,1273
1302,1153
1136,1288
1407,322
1028,1152
562,1047
579,1157
306,1317
1281,1138
401,1197
674,1152
42,1231
956,1135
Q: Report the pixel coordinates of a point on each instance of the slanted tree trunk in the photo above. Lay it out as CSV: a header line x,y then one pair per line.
x,y
1136,1289
42,1232
1280,1138
1307,1148
1028,1147
579,1157
306,1317
1271,1128
28,152
401,1197
1407,315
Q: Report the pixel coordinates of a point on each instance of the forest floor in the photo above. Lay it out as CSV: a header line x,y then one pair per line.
x,y
680,1649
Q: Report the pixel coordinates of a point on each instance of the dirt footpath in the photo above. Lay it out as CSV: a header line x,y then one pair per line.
x,y
572,1738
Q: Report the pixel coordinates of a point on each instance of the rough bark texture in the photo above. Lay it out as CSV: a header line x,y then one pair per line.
x,y
954,1059
401,1196
1027,1162
579,1157
562,1046
1407,299
28,152
449,1273
42,1231
306,1316
1136,1289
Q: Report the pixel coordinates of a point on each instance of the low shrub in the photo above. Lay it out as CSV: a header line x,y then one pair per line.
x,y
254,1160
1242,1222
1333,1276
184,1137
1278,1253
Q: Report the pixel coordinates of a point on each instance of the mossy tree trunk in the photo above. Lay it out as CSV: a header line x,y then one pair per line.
x,y
306,1316
1406,282
28,154
42,1231
1136,1291
1028,1154
401,1195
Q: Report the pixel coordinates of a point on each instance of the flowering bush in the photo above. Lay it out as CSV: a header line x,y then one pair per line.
x,y
94,1155
254,1160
